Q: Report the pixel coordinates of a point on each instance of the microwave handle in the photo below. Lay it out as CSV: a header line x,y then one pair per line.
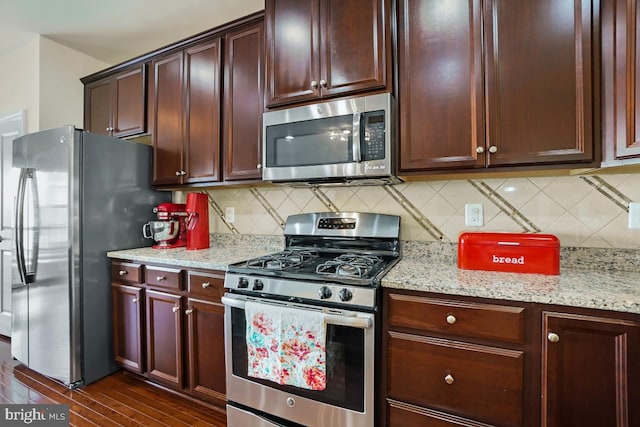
x,y
358,136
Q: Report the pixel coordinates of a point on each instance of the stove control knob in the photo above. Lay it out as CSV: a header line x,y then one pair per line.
x,y
345,295
324,292
258,285
243,282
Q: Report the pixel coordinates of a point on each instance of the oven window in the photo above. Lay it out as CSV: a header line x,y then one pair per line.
x,y
311,142
345,365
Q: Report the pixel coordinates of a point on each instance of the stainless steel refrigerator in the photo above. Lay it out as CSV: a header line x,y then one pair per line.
x,y
79,195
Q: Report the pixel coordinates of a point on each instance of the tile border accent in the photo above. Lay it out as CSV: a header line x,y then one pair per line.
x,y
323,198
270,209
506,207
415,213
220,214
609,191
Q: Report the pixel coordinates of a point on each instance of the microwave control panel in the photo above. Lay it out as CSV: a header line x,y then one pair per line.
x,y
373,138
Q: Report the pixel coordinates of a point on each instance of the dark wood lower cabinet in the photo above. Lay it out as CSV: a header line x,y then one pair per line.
x,y
168,326
164,337
127,326
206,349
573,367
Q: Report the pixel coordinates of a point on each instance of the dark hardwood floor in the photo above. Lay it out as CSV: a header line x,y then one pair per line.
x,y
118,400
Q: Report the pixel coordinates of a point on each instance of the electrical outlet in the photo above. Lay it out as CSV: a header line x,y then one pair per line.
x,y
634,215
473,215
230,214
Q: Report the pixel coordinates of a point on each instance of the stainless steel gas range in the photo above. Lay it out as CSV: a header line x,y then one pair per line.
x,y
332,264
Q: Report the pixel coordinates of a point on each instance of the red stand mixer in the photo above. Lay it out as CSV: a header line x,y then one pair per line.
x,y
170,231
197,221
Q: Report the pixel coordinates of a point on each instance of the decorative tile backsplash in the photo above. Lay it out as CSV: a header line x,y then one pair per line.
x,y
583,211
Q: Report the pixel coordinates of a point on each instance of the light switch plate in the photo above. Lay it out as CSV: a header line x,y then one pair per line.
x,y
230,214
634,215
473,215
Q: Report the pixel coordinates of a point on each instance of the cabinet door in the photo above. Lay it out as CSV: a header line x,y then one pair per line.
x,y
129,115
539,81
591,374
626,80
292,43
243,103
355,45
168,114
98,104
203,79
206,350
164,338
440,84
128,337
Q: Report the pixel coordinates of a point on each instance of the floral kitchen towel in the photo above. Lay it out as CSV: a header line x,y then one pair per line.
x,y
286,345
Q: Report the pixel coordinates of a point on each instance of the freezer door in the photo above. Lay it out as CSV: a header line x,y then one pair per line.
x,y
44,236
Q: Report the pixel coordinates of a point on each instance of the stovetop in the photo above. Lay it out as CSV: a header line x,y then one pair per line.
x,y
332,258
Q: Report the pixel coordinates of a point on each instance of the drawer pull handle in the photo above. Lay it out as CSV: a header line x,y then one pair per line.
x,y
175,309
135,300
451,319
205,285
189,311
122,272
161,278
553,337
448,379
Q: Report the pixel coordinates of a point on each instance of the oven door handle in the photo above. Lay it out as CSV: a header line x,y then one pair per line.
x,y
331,319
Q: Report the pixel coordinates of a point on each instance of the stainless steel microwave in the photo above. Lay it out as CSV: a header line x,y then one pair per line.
x,y
334,141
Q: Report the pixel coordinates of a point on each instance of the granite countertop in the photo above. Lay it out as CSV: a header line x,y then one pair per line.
x,y
600,279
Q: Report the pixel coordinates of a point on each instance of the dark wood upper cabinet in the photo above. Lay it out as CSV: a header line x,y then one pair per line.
x,y
116,105
323,48
186,135
590,372
496,83
621,80
243,103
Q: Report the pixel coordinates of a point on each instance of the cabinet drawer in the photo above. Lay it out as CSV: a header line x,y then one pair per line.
x,y
126,272
206,285
164,277
479,382
476,320
400,414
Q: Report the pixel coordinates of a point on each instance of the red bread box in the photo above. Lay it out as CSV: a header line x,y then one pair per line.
x,y
510,252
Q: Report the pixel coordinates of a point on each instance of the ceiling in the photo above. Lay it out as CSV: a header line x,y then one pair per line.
x,y
115,30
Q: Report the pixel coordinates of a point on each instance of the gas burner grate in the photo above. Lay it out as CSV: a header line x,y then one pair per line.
x,y
349,264
282,260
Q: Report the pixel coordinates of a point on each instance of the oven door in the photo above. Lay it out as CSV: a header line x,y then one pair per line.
x,y
348,398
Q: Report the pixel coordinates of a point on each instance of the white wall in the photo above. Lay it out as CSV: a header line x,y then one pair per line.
x,y
19,83
43,78
61,92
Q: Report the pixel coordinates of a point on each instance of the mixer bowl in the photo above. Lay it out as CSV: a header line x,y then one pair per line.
x,y
161,231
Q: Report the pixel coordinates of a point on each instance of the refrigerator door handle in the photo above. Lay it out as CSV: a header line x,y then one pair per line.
x,y
27,276
19,224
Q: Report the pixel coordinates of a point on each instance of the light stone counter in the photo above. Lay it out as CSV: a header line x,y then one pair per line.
x,y
606,290
601,279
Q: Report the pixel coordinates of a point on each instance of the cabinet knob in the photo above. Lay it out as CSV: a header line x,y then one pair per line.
x,y
175,309
314,84
122,272
479,150
161,278
177,173
451,319
448,379
183,173
553,337
188,312
259,166
205,285
135,300
493,149
323,83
